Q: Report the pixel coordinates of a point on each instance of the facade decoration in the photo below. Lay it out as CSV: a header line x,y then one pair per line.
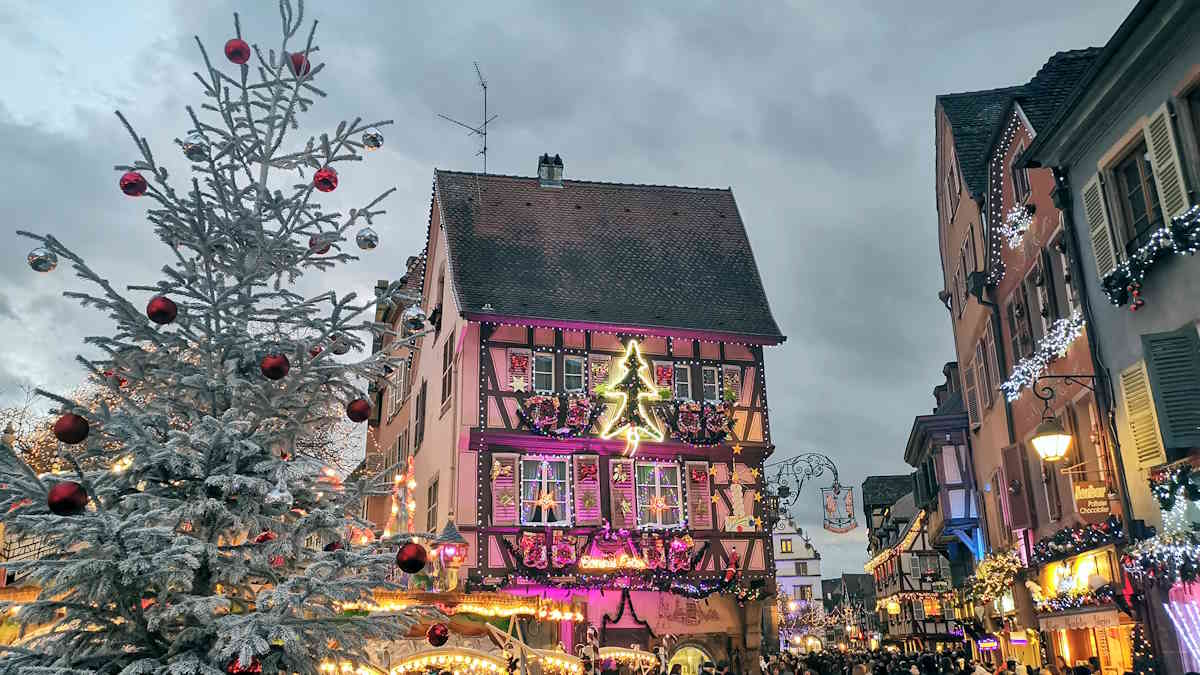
x,y
1058,339
1181,237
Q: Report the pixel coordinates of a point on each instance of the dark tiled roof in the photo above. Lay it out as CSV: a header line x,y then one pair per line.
x,y
973,117
638,255
859,585
885,490
1045,93
952,404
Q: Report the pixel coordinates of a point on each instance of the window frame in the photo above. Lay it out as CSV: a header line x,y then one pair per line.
x,y
566,515
431,505
397,388
419,417
658,487
1060,263
685,381
534,372
785,545
1138,154
704,371
1020,177
582,361
447,370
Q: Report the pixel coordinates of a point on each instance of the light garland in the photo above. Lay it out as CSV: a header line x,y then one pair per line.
x,y
1181,237
1053,345
913,530
1174,554
1016,224
1071,541
631,391
1075,599
994,576
910,596
628,657
490,605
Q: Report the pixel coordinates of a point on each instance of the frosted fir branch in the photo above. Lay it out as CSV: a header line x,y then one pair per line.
x,y
1052,346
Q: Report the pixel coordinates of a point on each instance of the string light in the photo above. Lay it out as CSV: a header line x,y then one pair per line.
x,y
1181,237
1016,223
1053,345
993,576
634,426
1071,541
914,529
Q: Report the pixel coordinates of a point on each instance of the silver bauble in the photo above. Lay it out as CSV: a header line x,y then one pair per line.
x,y
42,259
414,318
366,239
195,147
279,495
339,345
372,139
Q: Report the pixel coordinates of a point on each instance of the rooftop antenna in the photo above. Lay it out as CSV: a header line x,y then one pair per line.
x,y
480,130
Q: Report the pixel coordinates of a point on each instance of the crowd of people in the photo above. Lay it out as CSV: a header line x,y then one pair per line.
x,y
889,663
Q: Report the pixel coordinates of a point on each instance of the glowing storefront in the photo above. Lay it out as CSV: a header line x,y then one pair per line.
x,y
1077,611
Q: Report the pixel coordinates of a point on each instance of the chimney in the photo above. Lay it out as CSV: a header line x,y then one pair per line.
x,y
550,170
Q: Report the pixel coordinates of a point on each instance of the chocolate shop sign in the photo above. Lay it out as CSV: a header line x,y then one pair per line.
x,y
1091,501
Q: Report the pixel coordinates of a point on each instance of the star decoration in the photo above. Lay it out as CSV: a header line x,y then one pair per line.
x,y
735,477
518,383
712,470
758,496
758,522
716,498
546,501
754,473
737,449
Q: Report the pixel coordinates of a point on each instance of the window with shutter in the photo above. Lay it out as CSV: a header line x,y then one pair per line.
x,y
983,381
971,395
1165,160
1173,362
918,609
1035,312
1014,332
1140,416
1016,488
991,356
1096,211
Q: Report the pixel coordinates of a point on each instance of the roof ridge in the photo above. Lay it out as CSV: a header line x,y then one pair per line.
x,y
591,182
997,90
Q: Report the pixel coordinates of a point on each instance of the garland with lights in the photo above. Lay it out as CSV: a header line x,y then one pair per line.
x,y
1180,237
1052,346
1144,662
698,424
559,416
633,389
1071,541
1068,600
1174,554
1016,224
993,577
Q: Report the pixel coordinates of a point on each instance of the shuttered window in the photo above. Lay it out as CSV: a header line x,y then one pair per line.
x,y
1140,416
1163,146
991,356
971,395
983,379
1096,211
1173,362
1016,488
1036,311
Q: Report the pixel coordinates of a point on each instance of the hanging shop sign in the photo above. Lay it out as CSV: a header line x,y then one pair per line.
x,y
1091,502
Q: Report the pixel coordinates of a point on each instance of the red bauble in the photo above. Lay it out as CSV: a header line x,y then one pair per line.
x,y
437,634
265,537
315,351
162,310
71,429
358,410
277,561
237,50
67,498
109,374
275,366
235,666
333,546
325,179
319,247
133,184
300,64
411,558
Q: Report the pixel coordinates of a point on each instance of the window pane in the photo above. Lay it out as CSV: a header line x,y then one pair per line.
x,y
543,372
573,373
711,380
683,388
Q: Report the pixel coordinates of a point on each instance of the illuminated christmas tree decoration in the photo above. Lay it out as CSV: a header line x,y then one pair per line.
x,y
634,386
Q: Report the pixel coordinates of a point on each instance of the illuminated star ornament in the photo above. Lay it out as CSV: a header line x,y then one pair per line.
x,y
632,389
737,449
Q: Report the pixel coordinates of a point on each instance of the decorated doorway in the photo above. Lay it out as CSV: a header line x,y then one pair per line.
x,y
689,659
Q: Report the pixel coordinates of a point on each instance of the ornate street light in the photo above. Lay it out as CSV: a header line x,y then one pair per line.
x,y
1050,439
783,490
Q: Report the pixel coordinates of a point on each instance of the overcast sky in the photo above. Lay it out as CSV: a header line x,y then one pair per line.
x,y
818,114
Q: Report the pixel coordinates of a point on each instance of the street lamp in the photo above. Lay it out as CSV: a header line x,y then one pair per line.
x,y
1050,439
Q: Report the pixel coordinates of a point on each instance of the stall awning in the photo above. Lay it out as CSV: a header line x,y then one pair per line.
x,y
1103,618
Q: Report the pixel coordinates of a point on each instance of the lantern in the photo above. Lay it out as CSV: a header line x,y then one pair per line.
x,y
451,550
893,607
1051,440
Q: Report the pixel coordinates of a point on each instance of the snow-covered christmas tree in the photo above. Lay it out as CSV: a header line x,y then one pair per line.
x,y
191,532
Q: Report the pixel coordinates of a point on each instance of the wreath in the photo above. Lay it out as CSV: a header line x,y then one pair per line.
x,y
559,416
699,423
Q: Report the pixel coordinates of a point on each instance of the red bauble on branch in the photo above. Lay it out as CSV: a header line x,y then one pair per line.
x,y
162,310
275,366
437,634
235,666
71,429
265,537
300,64
325,179
133,184
67,498
333,546
358,410
411,558
237,50
318,244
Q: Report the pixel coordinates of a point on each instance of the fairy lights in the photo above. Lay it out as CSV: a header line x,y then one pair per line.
x,y
914,529
1181,237
1053,345
621,562
490,605
634,386
628,657
994,576
1016,223
1173,554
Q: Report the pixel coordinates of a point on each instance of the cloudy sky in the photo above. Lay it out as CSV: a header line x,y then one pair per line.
x,y
819,114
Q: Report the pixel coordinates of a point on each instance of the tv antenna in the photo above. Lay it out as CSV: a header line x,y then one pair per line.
x,y
480,130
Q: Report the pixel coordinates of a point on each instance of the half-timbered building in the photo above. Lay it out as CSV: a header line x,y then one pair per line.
x,y
554,302
913,594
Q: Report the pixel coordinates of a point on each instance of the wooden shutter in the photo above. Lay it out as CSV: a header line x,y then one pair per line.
x,y
989,348
1096,211
1140,416
587,490
505,482
622,507
1016,488
699,496
918,608
971,395
1164,160
1014,329
983,382
1173,362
